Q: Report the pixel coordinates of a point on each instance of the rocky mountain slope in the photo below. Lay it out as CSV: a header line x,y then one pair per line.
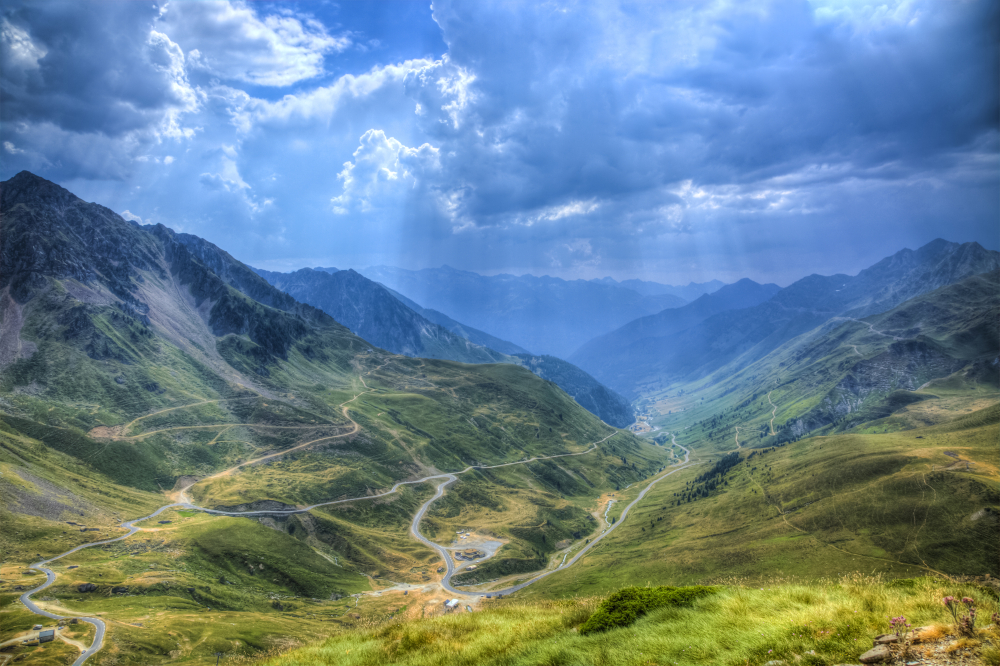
x,y
375,314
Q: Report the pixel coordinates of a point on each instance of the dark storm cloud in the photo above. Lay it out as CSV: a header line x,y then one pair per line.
x,y
657,140
88,71
773,91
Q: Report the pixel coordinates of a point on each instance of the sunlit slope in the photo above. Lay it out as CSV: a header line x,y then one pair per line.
x,y
917,502
832,622
851,373
150,365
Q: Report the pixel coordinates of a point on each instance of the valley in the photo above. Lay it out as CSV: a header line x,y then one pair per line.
x,y
299,482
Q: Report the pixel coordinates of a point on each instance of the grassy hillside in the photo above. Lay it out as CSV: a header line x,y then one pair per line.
x,y
827,623
918,502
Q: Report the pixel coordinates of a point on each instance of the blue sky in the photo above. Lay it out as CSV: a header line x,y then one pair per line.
x,y
667,141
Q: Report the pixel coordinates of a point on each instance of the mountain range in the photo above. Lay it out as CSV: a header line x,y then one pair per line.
x,y
679,346
544,315
283,461
375,314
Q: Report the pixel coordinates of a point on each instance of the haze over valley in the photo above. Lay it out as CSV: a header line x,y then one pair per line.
x,y
499,333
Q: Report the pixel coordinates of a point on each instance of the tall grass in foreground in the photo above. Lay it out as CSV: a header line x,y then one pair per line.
x,y
738,625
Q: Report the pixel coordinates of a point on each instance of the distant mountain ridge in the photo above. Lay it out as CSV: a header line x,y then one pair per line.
x,y
460,329
736,338
546,315
689,292
642,339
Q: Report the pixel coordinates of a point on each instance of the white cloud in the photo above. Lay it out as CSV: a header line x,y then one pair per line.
x,y
167,57
131,217
19,50
442,85
383,170
11,148
321,103
233,42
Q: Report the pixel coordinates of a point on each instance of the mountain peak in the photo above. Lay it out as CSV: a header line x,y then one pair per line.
x,y
26,187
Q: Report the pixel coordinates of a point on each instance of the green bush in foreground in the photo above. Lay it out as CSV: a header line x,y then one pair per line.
x,y
629,604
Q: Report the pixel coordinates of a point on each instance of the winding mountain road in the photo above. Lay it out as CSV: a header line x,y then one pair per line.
x,y
446,479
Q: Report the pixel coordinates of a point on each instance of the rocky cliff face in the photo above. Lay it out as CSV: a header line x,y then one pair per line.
x,y
49,232
905,366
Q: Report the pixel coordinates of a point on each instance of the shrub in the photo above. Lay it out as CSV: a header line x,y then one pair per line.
x,y
629,604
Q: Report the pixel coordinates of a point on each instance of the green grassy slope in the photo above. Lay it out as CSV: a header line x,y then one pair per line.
x,y
901,504
124,381
829,623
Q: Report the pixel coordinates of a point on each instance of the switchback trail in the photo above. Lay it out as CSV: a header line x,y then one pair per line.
x,y
446,581
185,503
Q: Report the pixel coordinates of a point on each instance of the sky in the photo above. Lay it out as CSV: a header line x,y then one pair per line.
x,y
674,142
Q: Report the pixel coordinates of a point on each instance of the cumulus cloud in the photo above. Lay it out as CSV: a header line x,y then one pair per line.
x,y
77,81
232,42
383,171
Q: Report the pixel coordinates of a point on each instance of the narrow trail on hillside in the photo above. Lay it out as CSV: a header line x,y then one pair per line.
x,y
446,479
871,328
355,427
773,411
738,447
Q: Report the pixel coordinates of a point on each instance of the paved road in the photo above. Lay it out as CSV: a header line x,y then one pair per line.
x,y
446,581
50,577
132,529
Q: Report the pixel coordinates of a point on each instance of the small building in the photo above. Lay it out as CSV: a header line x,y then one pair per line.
x,y
451,603
36,627
46,636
